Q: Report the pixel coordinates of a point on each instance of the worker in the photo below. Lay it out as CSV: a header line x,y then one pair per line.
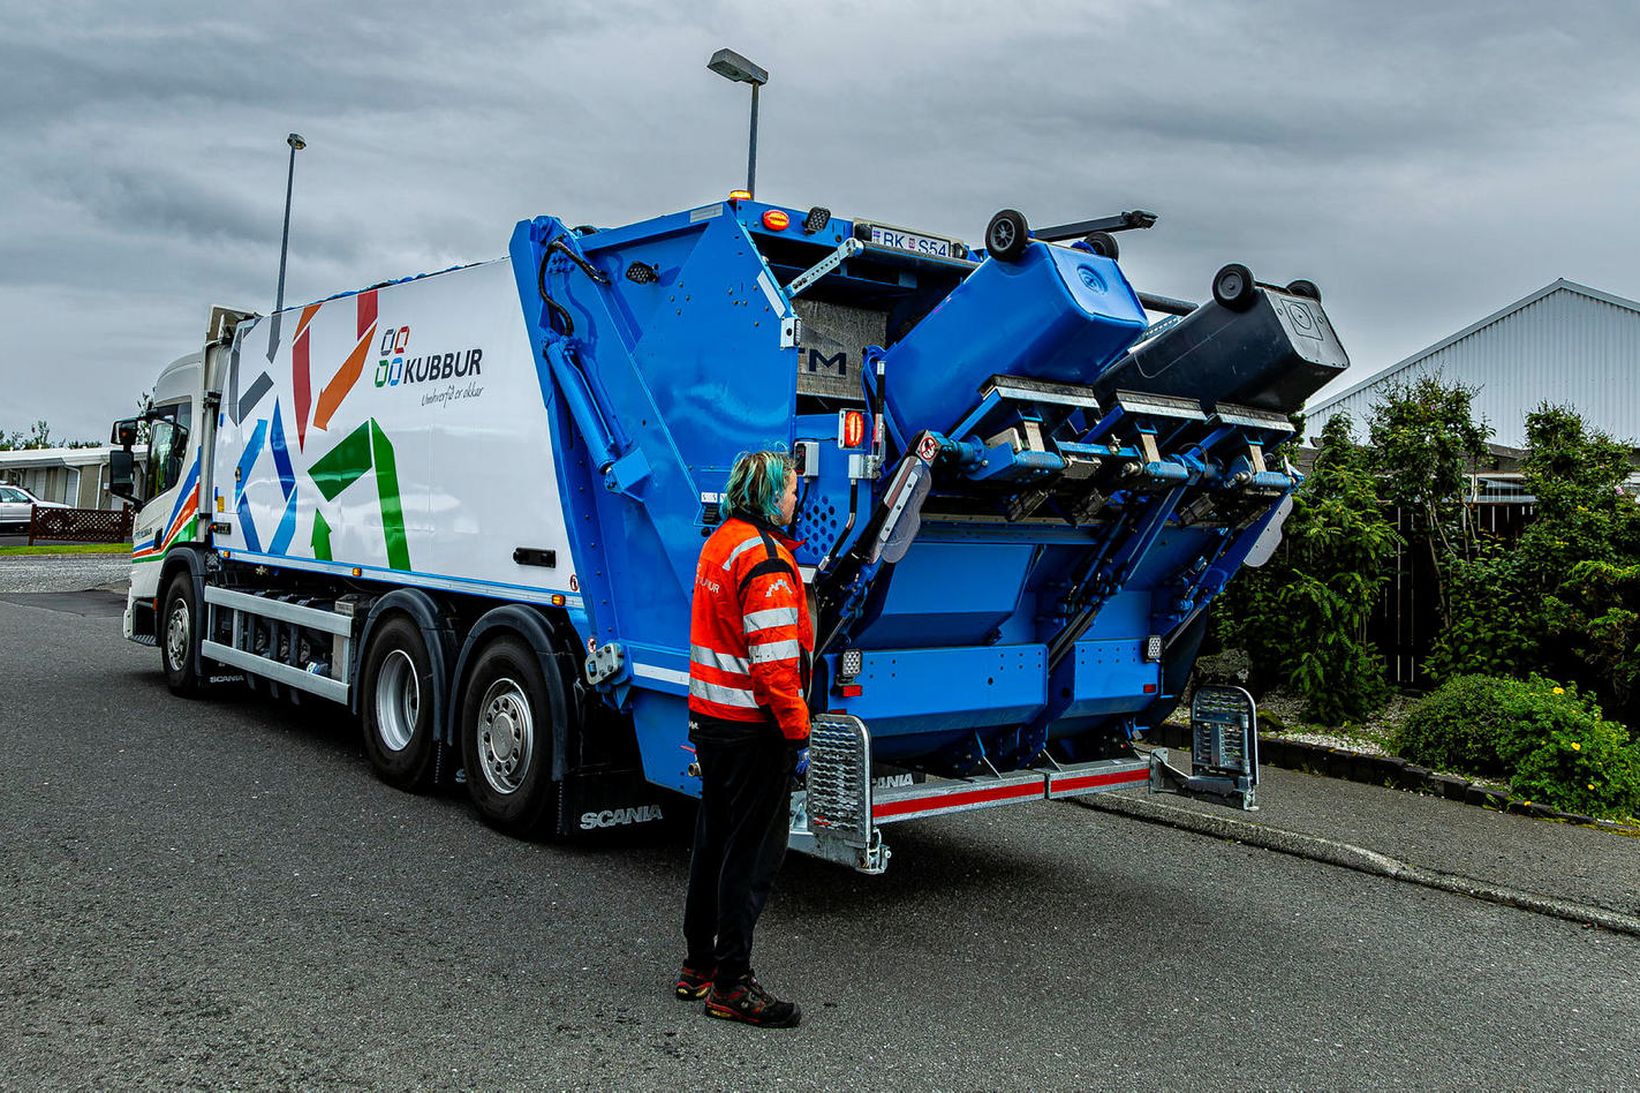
x,y
750,643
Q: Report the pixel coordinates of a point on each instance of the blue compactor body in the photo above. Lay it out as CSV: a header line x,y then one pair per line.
x,y
1018,492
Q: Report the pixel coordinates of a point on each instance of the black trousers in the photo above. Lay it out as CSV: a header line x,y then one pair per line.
x,y
740,841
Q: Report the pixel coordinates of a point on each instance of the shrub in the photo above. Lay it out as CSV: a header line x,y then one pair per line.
x,y
1458,726
1595,772
1548,740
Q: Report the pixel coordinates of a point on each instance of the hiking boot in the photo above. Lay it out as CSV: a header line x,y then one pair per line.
x,y
745,1000
694,983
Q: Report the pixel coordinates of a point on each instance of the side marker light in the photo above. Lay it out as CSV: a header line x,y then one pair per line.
x,y
853,690
776,221
740,195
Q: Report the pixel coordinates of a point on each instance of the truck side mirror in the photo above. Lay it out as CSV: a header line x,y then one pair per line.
x,y
121,468
124,433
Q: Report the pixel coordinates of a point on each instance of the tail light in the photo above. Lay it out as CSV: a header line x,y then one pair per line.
x,y
851,430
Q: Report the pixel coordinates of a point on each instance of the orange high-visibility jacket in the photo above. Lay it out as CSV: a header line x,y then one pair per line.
x,y
750,638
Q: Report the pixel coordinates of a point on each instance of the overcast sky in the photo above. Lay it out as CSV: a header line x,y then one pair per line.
x,y
1426,163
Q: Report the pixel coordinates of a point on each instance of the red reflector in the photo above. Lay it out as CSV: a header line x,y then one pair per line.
x,y
1150,688
775,220
853,690
854,428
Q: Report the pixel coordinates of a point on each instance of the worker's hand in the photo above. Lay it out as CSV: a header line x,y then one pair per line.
x,y
800,767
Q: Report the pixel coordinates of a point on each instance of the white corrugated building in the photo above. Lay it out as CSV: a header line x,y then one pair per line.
x,y
1565,343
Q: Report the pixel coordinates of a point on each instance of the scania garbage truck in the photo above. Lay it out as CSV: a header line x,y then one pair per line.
x,y
468,505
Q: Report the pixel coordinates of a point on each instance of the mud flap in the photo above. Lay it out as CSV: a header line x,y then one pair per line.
x,y
618,806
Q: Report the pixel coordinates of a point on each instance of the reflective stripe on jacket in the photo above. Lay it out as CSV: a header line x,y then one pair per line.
x,y
750,638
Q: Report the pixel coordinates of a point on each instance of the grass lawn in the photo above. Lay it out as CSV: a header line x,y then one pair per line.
x,y
67,548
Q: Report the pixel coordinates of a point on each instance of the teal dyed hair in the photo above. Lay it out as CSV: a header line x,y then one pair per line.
x,y
756,482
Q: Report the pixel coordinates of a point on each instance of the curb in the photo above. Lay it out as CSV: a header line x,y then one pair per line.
x,y
1344,855
1391,771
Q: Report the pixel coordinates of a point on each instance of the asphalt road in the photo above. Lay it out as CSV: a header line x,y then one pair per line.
x,y
218,893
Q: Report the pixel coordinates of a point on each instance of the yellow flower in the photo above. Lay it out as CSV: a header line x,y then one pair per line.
x,y
1591,785
1576,746
1560,690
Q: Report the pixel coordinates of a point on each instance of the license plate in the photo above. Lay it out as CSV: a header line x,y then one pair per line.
x,y
910,241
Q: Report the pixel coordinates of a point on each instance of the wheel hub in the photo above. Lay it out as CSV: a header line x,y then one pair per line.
x,y
398,700
506,736
178,630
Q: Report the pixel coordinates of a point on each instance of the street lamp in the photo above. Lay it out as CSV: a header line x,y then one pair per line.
x,y
296,145
732,66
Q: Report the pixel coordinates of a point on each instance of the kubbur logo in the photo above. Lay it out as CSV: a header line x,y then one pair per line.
x,y
394,365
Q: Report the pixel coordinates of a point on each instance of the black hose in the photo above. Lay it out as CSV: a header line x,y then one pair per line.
x,y
562,323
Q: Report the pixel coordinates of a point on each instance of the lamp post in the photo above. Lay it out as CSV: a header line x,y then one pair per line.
x,y
732,66
296,145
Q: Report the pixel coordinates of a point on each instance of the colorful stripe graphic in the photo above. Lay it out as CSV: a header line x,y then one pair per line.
x,y
182,521
365,449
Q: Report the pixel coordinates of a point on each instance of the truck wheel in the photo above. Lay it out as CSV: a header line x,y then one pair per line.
x,y
400,738
1305,288
179,635
1007,235
1233,287
508,710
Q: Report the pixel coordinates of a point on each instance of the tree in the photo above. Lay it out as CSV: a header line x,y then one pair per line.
x,y
39,436
1302,617
1425,442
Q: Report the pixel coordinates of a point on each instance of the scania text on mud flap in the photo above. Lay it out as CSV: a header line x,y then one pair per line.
x,y
468,505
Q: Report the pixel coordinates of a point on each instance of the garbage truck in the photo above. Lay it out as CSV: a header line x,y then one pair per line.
x,y
468,505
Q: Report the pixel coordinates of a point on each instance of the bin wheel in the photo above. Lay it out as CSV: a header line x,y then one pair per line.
x,y
508,710
1103,243
1233,287
178,627
1305,288
1007,235
396,701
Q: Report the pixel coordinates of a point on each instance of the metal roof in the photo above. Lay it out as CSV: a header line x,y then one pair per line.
x,y
1565,343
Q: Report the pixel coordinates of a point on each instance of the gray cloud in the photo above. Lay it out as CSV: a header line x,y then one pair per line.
x,y
1426,163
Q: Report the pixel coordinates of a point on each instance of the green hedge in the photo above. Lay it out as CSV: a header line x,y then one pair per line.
x,y
1550,742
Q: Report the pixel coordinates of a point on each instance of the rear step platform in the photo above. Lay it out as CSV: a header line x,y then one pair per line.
x,y
837,816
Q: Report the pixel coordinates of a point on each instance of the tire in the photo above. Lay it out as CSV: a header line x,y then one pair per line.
x,y
396,705
1305,288
1103,243
509,709
1233,287
177,629
1007,236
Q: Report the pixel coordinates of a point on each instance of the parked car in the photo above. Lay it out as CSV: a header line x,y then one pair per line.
x,y
17,507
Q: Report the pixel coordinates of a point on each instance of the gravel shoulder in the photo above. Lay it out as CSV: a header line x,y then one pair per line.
x,y
63,572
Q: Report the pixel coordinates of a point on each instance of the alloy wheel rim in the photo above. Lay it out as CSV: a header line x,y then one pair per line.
x,y
398,700
178,631
506,736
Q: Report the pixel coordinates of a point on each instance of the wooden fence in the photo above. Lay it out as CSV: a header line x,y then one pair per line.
x,y
79,525
1408,617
